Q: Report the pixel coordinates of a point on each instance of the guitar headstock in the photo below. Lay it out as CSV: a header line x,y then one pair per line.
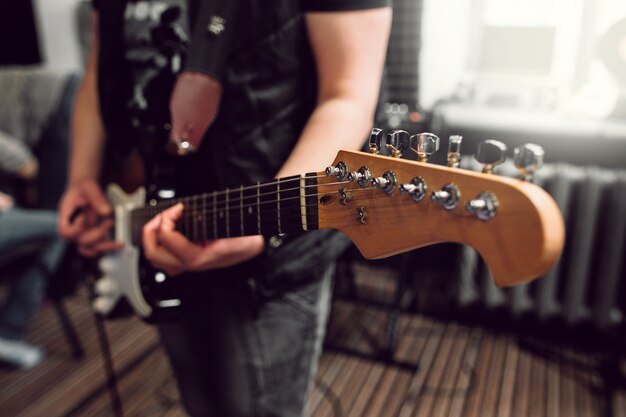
x,y
388,205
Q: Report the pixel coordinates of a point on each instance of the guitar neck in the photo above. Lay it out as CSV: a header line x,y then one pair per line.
x,y
282,205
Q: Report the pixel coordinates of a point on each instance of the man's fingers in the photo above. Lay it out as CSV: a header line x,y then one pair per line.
x,y
95,234
96,198
68,224
153,251
100,247
170,216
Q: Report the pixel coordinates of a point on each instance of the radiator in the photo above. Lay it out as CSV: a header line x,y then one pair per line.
x,y
588,284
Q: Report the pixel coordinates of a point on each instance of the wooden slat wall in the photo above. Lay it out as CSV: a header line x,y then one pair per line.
x,y
463,371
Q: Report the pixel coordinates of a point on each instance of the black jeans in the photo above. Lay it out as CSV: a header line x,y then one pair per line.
x,y
232,359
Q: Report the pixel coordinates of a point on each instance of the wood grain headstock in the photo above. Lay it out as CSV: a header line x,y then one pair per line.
x,y
519,243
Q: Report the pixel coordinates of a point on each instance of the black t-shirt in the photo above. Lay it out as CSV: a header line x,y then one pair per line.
x,y
159,42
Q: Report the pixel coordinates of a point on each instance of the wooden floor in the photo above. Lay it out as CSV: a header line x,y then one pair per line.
x,y
461,371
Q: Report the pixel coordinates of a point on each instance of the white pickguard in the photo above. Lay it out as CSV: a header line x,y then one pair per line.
x,y
120,269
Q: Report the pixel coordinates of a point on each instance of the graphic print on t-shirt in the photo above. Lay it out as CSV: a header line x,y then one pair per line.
x,y
156,39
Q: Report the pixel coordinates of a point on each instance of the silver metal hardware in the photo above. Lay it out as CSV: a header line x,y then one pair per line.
x,y
448,197
485,205
275,241
454,151
416,189
216,25
398,141
375,142
387,182
424,145
490,153
184,147
528,159
345,196
361,215
339,171
361,177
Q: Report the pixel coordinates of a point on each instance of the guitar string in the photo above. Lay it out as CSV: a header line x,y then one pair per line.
x,y
291,215
213,194
193,210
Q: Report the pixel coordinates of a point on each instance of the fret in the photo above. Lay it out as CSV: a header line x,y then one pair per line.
x,y
241,222
258,207
214,210
234,213
290,213
267,208
221,204
205,235
250,220
187,223
227,215
303,218
194,218
310,192
278,205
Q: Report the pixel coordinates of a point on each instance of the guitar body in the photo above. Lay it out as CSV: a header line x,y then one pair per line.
x,y
126,273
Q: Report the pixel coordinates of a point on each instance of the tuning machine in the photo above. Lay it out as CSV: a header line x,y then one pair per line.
x,y
448,197
376,140
454,151
398,141
490,153
387,182
528,159
424,145
361,177
416,189
339,171
484,205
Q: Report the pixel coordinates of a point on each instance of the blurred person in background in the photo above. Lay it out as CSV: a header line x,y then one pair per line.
x,y
34,113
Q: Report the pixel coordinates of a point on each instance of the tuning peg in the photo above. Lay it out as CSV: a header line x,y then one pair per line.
x,y
416,189
454,151
484,206
339,171
490,153
424,145
528,158
376,139
398,141
448,197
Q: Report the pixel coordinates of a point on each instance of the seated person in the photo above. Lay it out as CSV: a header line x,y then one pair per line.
x,y
31,234
34,109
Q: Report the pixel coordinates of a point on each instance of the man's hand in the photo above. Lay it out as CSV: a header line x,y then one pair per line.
x,y
171,252
193,106
84,217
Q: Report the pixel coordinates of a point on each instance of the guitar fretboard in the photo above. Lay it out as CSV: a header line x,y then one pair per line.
x,y
283,205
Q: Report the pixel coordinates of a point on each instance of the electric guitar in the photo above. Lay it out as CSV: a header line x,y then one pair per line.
x,y
385,204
